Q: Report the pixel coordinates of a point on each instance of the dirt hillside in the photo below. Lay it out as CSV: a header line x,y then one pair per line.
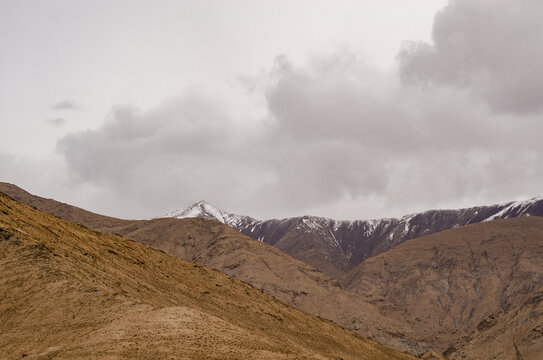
x,y
445,284
220,247
69,292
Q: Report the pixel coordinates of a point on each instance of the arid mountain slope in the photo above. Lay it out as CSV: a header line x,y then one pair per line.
x,y
220,247
331,246
445,284
335,246
68,292
517,334
404,289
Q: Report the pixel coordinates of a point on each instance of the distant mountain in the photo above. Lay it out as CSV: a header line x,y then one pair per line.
x,y
204,210
445,284
72,293
336,246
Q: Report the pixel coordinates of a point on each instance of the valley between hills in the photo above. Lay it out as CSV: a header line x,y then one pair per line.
x,y
457,284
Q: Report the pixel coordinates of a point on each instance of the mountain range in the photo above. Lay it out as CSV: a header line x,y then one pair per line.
x,y
337,246
449,292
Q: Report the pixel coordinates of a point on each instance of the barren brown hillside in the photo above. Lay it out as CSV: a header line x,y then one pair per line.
x,y
445,284
222,248
68,292
517,334
427,294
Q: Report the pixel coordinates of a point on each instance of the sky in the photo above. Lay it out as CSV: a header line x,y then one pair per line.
x,y
344,109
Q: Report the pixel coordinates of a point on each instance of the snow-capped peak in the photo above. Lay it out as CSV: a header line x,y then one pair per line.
x,y
203,209
200,209
515,208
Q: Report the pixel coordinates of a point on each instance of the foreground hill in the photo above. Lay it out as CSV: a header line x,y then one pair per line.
x,y
222,248
336,246
70,292
517,334
445,284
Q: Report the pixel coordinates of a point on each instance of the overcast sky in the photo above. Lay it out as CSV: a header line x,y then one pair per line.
x,y
344,109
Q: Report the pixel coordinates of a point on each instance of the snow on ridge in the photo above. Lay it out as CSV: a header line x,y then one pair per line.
x,y
521,206
203,209
206,210
407,223
174,214
199,209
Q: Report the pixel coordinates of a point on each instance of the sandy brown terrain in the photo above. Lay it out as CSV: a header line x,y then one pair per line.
x,y
69,292
222,248
445,284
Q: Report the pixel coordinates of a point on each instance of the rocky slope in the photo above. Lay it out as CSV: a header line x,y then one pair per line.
x,y
69,292
335,246
221,247
517,334
426,293
443,285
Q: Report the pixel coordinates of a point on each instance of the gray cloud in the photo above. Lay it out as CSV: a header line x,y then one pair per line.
x,y
185,149
68,104
411,147
493,48
336,129
56,121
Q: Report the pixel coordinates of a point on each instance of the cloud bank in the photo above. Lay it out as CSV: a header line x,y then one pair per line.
x,y
458,123
494,48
